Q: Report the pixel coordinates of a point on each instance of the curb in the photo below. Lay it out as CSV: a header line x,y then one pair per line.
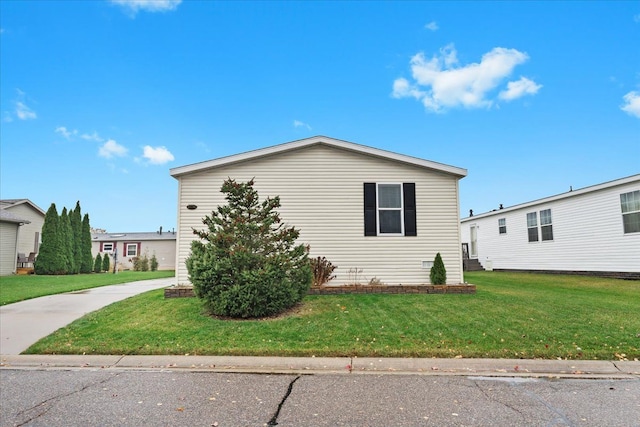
x,y
535,368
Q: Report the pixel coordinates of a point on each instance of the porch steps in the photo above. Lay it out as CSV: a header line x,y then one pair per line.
x,y
472,264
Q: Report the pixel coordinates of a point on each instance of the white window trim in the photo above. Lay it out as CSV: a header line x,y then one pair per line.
x,y
135,245
624,233
500,226
107,250
550,224
378,209
533,226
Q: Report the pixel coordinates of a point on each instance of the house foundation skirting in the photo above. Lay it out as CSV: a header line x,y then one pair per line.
x,y
187,291
628,275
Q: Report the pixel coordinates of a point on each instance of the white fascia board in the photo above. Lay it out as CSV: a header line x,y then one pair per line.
x,y
362,149
568,194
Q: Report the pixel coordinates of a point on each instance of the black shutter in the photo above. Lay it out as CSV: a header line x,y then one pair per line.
x,y
409,196
370,223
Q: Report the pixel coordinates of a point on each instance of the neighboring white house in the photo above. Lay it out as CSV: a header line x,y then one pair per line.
x,y
593,230
373,213
127,246
20,226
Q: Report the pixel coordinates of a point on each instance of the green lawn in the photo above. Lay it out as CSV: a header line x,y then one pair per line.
x,y
18,288
511,316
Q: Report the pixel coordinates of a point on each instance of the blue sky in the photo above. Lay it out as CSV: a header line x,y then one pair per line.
x,y
99,99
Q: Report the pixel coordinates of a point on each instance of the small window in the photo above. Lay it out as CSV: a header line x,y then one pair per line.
x,y
390,208
545,225
132,249
532,226
502,225
107,247
630,204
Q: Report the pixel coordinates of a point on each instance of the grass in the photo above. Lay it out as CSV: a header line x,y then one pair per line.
x,y
511,316
22,287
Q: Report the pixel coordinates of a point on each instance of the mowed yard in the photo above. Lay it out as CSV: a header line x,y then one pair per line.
x,y
511,316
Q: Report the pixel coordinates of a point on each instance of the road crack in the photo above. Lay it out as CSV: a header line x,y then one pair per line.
x,y
274,419
44,408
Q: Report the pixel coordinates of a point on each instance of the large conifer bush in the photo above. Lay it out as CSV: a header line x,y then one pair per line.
x,y
86,265
247,263
97,264
50,258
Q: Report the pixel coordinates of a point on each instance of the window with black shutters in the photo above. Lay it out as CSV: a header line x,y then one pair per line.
x,y
389,209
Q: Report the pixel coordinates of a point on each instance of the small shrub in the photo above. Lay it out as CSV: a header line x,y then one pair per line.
x,y
153,263
97,265
322,270
375,282
144,263
438,274
106,262
136,263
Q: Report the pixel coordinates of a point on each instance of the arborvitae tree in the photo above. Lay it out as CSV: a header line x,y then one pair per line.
x,y
438,274
85,242
247,263
66,238
75,218
50,256
153,262
97,265
106,261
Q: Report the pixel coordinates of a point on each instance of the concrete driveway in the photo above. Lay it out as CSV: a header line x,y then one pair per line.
x,y
24,323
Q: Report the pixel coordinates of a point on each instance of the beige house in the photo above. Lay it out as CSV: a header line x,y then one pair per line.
x,y
126,246
376,215
20,226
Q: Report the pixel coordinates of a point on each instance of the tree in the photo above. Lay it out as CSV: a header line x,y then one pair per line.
x,y
85,243
50,259
153,262
66,239
97,265
438,274
247,263
106,263
75,218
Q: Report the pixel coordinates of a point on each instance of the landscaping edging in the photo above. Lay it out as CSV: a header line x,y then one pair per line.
x,y
187,291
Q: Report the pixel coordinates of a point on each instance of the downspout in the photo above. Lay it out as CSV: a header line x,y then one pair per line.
x,y
15,254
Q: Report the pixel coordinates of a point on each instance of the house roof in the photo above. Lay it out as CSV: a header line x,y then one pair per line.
x,y
9,217
316,140
561,196
129,237
9,203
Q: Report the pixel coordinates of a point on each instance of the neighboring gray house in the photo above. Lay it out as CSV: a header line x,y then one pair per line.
x,y
373,213
593,230
20,226
128,246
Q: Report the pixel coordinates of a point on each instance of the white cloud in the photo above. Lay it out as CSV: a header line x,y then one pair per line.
x,y
62,130
134,6
299,124
112,149
519,88
157,155
441,82
91,137
432,26
23,112
632,103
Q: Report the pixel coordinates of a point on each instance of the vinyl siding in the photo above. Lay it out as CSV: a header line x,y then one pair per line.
x,y
588,235
8,253
321,193
26,238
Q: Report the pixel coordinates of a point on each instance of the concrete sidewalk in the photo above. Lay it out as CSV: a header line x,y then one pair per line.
x,y
338,365
24,323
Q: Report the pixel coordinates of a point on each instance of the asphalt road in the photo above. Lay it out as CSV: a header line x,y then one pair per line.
x,y
180,398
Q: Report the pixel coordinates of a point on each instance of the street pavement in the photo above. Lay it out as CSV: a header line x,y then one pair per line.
x,y
24,323
131,397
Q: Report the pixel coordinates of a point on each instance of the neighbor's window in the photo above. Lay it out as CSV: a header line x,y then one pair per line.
x,y
390,208
532,226
502,225
630,203
107,247
545,225
132,249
